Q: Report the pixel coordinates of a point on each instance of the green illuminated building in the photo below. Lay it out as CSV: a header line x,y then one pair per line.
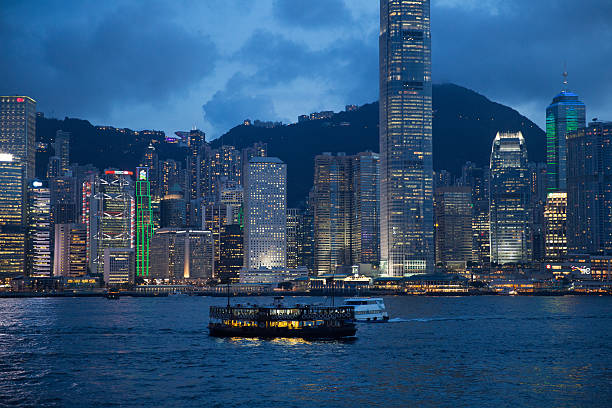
x,y
565,114
144,221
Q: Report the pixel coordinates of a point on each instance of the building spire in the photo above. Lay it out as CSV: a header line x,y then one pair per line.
x,y
565,77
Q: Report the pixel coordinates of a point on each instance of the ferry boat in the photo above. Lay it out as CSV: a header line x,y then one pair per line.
x,y
368,309
300,321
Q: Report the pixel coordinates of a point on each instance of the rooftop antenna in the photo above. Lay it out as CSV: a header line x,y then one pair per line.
x,y
565,77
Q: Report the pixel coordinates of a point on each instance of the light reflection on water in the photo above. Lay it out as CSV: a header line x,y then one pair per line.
x,y
477,351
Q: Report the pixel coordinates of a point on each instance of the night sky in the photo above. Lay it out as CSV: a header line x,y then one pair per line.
x,y
174,64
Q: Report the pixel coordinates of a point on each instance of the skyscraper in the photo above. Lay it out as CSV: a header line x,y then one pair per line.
x,y
70,255
589,189
453,210
265,213
406,166
18,130
39,230
293,221
555,226
565,114
111,215
333,192
62,151
12,215
509,199
366,208
477,179
144,221
197,139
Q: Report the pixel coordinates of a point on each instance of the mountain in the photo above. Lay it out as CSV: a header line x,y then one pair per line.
x,y
464,126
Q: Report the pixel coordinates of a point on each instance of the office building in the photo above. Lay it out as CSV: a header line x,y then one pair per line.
x,y
406,166
118,266
231,254
112,216
144,221
173,209
509,199
18,130
365,230
265,213
197,139
346,211
555,226
64,199
12,215
150,160
39,230
178,254
293,220
453,225
70,254
565,114
477,179
169,176
589,189
333,201
61,146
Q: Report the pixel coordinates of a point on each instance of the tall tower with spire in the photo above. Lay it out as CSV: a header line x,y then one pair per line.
x,y
565,114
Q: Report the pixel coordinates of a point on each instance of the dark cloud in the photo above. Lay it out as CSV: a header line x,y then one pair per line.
x,y
311,14
131,54
88,58
341,69
514,52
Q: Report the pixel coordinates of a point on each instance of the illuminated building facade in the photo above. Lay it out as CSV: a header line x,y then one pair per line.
x,y
293,220
111,215
231,254
565,114
169,176
118,266
173,209
333,193
214,219
150,160
178,254
12,215
265,213
477,179
346,210
555,226
453,224
18,130
509,199
589,189
38,230
406,165
70,255
62,151
197,139
144,221
366,208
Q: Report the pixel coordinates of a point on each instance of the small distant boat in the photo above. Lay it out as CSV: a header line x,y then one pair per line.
x,y
368,309
112,294
277,321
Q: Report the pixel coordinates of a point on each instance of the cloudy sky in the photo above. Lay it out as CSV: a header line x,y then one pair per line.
x,y
174,64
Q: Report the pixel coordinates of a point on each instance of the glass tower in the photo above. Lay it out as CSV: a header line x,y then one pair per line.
x,y
509,199
144,221
18,130
565,114
406,167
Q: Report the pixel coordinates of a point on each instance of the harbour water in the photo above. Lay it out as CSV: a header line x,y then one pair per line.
x,y
467,351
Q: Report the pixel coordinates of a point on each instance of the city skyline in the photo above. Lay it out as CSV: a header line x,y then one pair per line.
x,y
241,71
